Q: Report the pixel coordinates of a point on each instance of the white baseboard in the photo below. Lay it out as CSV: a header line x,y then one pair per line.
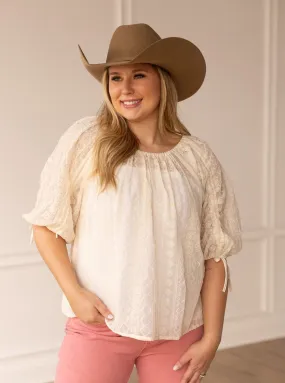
x,y
253,329
38,367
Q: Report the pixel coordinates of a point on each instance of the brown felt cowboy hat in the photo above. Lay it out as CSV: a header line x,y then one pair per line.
x,y
139,43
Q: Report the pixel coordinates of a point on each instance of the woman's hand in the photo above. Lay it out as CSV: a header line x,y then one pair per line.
x,y
198,357
88,307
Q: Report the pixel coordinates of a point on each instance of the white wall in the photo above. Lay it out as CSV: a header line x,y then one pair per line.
x,y
240,111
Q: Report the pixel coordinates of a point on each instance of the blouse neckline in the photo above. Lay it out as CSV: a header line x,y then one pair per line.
x,y
174,149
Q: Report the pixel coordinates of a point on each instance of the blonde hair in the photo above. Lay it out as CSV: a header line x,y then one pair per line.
x,y
115,142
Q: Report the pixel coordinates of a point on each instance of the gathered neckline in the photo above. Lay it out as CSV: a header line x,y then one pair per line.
x,y
164,153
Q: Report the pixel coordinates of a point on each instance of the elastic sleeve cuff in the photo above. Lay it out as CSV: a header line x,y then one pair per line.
x,y
32,235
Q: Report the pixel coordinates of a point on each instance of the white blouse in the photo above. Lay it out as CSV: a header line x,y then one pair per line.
x,y
141,248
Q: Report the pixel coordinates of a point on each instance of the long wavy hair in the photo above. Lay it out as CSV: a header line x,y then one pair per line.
x,y
115,142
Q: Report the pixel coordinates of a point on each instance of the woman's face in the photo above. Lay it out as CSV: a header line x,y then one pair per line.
x,y
134,91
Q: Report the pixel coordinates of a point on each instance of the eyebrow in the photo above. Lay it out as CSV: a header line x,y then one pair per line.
x,y
133,71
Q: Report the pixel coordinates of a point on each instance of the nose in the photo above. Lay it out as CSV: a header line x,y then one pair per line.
x,y
127,86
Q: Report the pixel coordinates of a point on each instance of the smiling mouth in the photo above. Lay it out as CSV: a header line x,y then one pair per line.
x,y
131,103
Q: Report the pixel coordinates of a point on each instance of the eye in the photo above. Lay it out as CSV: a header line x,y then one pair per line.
x,y
115,78
139,75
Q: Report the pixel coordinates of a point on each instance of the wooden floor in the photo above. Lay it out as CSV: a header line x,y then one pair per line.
x,y
257,363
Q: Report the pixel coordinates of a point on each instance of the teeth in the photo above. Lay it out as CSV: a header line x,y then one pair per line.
x,y
131,102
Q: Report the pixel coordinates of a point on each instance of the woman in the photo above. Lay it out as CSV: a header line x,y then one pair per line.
x,y
149,212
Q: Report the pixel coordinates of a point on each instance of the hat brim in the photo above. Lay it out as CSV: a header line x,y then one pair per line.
x,y
180,57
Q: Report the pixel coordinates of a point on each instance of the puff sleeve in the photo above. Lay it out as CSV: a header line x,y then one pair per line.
x,y
221,225
54,207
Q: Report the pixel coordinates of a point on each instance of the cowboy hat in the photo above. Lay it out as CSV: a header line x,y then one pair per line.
x,y
139,43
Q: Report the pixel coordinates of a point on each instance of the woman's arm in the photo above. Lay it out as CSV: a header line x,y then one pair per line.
x,y
86,305
201,353
213,300
54,253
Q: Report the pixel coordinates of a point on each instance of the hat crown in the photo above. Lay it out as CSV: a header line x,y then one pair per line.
x,y
130,40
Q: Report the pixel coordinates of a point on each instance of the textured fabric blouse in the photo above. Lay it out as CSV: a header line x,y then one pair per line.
x,y
141,248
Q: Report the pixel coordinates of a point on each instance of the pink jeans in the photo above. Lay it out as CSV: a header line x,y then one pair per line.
x,y
95,354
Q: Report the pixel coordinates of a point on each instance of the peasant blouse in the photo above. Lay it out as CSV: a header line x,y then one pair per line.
x,y
141,248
